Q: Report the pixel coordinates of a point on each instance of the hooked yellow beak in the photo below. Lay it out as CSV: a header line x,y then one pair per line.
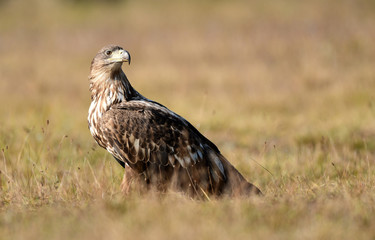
x,y
120,56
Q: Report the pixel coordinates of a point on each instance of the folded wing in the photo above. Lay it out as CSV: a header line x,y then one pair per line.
x,y
162,146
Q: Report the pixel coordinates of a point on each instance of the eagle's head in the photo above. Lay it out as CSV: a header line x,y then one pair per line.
x,y
107,80
110,58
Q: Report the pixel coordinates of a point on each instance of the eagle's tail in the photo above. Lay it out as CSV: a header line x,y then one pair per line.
x,y
234,184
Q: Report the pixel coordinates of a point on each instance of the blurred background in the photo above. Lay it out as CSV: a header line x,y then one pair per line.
x,y
245,73
235,65
284,88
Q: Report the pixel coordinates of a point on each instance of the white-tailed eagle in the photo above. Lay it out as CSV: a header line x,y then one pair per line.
x,y
156,146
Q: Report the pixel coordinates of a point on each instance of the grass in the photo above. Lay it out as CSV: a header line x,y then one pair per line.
x,y
285,89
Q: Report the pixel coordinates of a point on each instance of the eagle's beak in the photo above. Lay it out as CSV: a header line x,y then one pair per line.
x,y
120,56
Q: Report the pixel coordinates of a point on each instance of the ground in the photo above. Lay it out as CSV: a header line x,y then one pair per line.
x,y
284,88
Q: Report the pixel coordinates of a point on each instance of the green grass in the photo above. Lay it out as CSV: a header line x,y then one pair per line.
x,y
285,89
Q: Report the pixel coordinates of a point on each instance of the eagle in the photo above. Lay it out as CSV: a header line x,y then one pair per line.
x,y
159,149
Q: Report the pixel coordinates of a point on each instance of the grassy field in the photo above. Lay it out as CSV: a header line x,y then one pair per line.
x,y
284,88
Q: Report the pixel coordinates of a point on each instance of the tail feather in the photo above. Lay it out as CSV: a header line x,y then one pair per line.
x,y
236,185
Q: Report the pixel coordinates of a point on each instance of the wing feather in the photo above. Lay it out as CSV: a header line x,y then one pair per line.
x,y
141,132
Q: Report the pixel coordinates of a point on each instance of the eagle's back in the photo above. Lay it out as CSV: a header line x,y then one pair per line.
x,y
162,147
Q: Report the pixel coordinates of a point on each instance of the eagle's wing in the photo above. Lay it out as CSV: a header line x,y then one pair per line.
x,y
149,133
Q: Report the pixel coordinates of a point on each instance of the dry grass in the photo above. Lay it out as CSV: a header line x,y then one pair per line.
x,y
283,86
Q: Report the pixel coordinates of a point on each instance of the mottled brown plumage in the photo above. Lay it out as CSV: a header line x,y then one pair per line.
x,y
158,148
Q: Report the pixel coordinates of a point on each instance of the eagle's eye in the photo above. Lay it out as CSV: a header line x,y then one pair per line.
x,y
108,52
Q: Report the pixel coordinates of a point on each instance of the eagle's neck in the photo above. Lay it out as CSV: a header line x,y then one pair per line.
x,y
108,88
113,86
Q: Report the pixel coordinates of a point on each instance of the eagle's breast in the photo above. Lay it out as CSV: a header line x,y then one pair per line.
x,y
100,104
